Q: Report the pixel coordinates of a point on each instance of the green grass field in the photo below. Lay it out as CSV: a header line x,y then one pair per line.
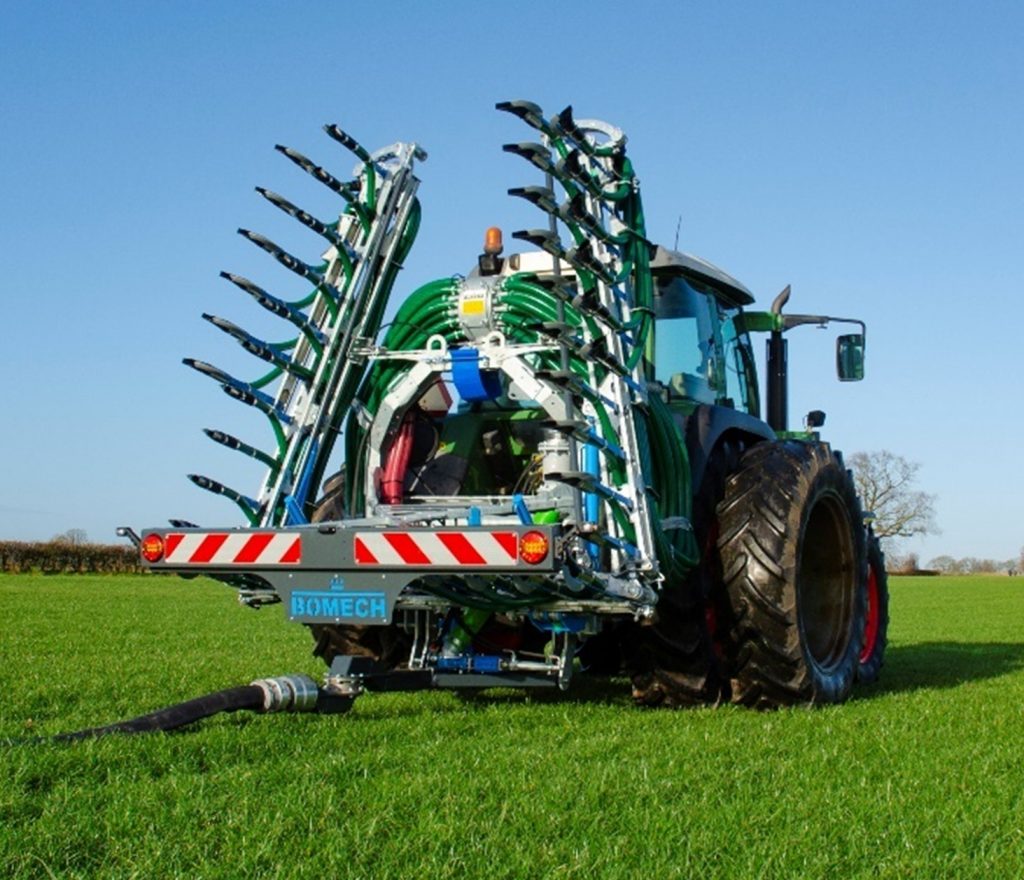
x,y
921,775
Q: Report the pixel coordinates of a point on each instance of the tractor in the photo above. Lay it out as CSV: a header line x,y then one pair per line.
x,y
553,465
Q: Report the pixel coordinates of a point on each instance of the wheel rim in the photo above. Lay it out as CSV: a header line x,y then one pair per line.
x,y
873,615
826,583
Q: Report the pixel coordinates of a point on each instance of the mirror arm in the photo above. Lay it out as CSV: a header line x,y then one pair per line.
x,y
790,321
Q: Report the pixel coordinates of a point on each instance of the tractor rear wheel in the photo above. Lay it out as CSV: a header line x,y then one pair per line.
x,y
389,645
876,625
792,545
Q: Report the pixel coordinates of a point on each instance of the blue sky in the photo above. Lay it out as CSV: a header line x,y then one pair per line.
x,y
869,154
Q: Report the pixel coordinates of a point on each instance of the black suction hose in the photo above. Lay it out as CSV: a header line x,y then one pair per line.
x,y
292,693
229,700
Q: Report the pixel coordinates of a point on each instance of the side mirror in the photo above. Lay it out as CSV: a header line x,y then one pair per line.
x,y
814,420
850,357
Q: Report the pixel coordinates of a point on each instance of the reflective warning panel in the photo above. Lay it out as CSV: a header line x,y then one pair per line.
x,y
232,548
426,549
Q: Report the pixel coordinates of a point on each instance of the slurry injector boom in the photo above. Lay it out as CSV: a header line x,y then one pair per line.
x,y
555,463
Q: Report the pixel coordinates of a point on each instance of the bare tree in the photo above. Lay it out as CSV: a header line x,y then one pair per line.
x,y
945,564
74,537
903,563
886,484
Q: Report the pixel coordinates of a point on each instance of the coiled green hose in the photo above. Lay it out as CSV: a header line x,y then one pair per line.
x,y
522,306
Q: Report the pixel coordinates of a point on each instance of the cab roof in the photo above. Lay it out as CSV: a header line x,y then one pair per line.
x,y
667,263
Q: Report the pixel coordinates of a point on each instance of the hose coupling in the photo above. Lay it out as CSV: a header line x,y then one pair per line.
x,y
288,693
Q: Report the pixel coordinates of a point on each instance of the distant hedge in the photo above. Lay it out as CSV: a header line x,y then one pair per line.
x,y
61,557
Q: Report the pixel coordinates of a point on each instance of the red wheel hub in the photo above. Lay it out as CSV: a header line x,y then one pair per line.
x,y
873,616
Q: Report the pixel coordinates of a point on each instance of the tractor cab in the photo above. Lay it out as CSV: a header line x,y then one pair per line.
x,y
702,353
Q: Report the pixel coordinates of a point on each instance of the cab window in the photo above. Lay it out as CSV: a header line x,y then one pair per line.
x,y
738,365
684,346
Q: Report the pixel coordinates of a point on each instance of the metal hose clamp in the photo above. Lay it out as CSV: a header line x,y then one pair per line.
x,y
288,693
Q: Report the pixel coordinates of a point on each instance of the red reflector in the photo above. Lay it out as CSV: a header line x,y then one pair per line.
x,y
152,548
533,547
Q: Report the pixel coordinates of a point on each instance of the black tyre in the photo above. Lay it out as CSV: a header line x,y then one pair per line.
x,y
792,546
388,645
675,662
876,620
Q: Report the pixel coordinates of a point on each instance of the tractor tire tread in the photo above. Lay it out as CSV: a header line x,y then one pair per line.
x,y
763,513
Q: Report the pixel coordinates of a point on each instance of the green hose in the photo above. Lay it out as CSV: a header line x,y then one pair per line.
x,y
521,306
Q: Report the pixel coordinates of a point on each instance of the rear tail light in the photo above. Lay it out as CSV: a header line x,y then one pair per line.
x,y
533,547
152,548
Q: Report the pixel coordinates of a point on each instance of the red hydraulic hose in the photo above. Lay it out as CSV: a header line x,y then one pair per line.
x,y
393,481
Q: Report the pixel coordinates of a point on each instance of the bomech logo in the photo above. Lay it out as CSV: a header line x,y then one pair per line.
x,y
336,602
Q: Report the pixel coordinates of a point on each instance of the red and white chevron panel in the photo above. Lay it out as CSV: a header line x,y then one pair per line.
x,y
425,549
232,548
